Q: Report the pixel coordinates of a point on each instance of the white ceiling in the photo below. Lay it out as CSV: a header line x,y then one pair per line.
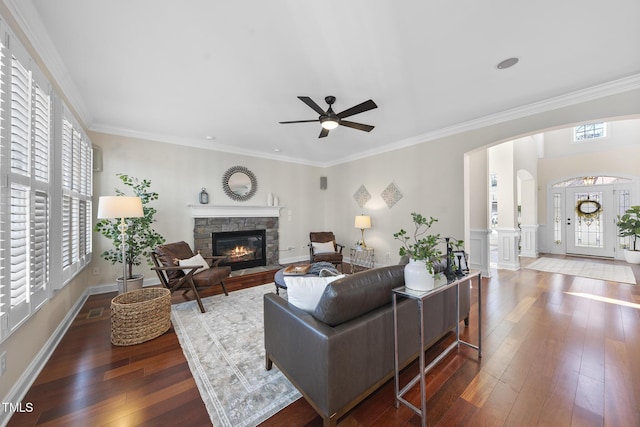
x,y
177,71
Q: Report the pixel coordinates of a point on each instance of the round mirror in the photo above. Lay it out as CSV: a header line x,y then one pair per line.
x,y
239,183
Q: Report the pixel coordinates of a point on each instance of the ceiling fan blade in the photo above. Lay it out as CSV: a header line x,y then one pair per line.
x,y
323,133
298,121
312,104
360,108
354,125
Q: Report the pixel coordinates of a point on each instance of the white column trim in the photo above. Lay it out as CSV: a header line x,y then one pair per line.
x,y
508,248
529,240
479,251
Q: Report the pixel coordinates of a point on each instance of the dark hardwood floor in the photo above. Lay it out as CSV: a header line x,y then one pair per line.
x,y
557,351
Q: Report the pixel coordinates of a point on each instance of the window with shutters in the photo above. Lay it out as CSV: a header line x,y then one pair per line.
x,y
45,217
76,201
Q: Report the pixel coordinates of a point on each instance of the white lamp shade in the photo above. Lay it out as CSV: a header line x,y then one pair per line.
x,y
362,222
119,207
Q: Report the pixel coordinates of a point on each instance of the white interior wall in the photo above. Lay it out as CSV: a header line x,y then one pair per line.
x,y
178,173
430,177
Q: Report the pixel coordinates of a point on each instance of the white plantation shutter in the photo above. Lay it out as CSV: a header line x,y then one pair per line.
x,y
19,182
67,155
40,247
20,117
4,196
45,193
76,160
19,246
66,232
75,229
41,134
41,188
76,201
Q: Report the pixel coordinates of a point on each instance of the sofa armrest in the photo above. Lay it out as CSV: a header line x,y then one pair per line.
x,y
331,366
297,343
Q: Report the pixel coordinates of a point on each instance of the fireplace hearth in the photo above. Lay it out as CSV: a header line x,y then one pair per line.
x,y
243,249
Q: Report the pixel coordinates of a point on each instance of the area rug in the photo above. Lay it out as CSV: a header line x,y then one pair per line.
x,y
593,270
225,351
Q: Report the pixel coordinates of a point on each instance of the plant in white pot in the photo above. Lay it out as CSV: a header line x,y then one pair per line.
x,y
629,226
424,252
141,238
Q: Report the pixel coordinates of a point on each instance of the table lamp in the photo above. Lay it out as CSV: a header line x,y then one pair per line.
x,y
121,207
362,222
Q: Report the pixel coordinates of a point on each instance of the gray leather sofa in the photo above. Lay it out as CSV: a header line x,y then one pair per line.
x,y
343,351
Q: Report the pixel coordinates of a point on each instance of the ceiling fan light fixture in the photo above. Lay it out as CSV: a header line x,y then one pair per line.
x,y
328,123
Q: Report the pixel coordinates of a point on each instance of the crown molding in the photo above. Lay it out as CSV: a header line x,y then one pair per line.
x,y
24,13
198,143
613,87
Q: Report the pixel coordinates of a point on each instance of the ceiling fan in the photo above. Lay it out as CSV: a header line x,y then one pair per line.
x,y
330,120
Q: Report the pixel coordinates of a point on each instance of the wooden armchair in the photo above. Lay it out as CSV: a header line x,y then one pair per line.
x,y
323,247
174,276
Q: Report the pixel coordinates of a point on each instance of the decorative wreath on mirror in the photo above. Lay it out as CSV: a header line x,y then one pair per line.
x,y
229,192
588,209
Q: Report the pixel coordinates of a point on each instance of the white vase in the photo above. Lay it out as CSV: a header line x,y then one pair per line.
x,y
417,277
269,199
632,257
276,201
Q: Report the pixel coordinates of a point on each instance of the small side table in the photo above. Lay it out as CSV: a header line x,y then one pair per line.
x,y
420,298
361,258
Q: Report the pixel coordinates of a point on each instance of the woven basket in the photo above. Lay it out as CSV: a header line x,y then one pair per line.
x,y
140,315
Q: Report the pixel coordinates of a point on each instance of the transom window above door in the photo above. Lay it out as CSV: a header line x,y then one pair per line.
x,y
589,131
592,180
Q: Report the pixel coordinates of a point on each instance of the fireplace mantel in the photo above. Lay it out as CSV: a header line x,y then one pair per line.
x,y
233,211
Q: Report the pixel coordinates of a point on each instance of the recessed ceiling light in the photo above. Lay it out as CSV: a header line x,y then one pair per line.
x,y
210,138
277,150
507,63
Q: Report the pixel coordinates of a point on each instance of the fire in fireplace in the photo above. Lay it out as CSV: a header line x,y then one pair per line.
x,y
243,249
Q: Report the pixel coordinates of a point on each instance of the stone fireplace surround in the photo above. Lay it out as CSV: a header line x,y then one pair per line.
x,y
210,219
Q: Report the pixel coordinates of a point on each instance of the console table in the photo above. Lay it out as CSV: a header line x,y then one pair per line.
x,y
420,298
361,257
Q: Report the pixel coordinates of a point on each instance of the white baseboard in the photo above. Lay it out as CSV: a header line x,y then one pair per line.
x,y
26,380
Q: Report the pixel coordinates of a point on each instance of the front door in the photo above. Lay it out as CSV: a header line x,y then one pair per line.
x,y
590,221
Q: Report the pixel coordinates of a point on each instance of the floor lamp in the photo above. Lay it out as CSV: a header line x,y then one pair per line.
x,y
122,207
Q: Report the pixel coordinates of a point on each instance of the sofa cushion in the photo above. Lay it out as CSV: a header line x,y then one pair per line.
x,y
305,291
357,294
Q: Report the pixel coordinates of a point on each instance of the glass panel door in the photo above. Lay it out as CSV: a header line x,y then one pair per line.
x,y
590,218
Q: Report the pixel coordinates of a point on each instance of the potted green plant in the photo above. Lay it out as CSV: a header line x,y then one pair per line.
x,y
629,226
141,238
424,251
